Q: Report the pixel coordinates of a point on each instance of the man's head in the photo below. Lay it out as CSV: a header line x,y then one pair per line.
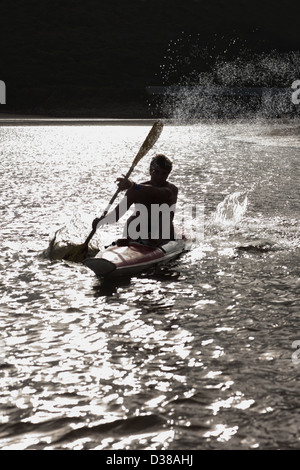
x,y
162,161
160,168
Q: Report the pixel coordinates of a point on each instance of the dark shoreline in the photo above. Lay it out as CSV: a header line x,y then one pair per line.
x,y
23,120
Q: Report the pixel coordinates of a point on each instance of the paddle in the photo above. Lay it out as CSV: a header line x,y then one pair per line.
x,y
79,253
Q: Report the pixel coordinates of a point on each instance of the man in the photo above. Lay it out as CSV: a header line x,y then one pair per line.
x,y
154,201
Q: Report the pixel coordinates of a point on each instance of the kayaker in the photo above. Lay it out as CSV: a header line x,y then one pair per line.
x,y
154,201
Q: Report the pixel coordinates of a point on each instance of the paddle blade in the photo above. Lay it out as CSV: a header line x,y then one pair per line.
x,y
150,140
77,253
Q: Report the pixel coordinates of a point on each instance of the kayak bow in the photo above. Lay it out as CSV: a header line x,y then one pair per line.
x,y
128,260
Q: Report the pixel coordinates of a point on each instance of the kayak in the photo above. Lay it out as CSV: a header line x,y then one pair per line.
x,y
133,258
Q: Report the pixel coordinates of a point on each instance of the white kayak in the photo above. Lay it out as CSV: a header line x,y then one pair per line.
x,y
133,258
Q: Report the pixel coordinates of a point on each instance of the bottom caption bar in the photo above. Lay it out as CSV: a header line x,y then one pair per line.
x,y
143,459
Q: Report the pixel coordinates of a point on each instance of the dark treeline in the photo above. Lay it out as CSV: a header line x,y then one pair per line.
x,y
97,57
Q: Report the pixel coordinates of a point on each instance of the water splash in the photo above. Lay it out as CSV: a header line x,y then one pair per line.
x,y
69,236
205,82
231,211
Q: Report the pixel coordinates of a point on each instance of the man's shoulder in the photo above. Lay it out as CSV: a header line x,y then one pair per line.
x,y
172,187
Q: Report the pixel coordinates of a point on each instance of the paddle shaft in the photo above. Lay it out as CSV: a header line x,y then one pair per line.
x,y
147,145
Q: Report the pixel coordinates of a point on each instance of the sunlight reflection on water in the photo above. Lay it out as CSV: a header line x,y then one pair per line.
x,y
196,354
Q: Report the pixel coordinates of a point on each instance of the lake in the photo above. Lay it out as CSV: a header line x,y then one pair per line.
x,y
198,354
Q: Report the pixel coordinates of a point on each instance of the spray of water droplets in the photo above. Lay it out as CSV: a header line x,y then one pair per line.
x,y
198,76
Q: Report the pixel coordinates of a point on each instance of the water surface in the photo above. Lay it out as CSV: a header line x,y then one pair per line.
x,y
194,355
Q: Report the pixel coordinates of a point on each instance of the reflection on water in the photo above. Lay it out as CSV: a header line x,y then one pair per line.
x,y
193,355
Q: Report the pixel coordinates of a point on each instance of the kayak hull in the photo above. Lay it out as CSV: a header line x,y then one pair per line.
x,y
136,257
